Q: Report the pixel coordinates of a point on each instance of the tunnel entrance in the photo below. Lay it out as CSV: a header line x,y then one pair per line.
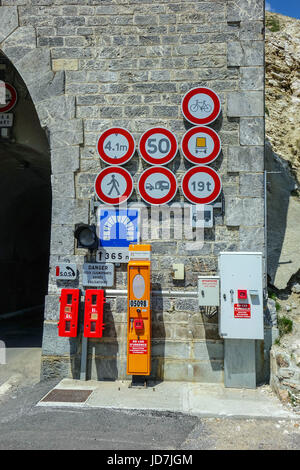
x,y
25,214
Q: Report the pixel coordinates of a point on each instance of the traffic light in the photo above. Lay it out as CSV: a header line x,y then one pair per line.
x,y
86,236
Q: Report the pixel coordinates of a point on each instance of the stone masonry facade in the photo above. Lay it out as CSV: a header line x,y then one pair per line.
x,y
94,64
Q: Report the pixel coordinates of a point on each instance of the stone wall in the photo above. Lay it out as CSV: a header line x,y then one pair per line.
x,y
90,65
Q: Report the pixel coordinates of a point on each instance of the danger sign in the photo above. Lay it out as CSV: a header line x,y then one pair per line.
x,y
138,346
113,185
201,106
201,145
8,97
242,311
201,185
116,146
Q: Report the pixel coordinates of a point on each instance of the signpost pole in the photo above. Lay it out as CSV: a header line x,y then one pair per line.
x,y
84,349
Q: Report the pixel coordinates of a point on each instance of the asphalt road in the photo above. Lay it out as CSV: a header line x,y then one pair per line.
x,y
24,425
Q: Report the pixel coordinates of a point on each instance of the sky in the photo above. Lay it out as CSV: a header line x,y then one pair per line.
x,y
284,7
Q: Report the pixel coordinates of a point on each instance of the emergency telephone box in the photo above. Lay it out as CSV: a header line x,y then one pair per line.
x,y
241,315
93,313
139,310
68,314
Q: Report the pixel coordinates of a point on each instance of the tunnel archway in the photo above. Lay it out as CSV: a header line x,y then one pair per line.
x,y
25,209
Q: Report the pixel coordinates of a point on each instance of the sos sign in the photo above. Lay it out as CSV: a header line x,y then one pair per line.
x,y
158,146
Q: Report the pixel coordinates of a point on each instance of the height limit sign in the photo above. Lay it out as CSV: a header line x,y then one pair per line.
x,y
116,146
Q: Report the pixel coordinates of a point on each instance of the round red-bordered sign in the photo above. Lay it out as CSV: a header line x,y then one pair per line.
x,y
158,146
11,98
201,145
157,185
116,146
113,185
201,185
201,106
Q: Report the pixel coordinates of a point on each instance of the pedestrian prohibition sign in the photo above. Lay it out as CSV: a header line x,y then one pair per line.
x,y
201,145
158,146
201,185
113,185
157,185
116,146
201,106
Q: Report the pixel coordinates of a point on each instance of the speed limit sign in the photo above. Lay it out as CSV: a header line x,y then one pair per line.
x,y
158,146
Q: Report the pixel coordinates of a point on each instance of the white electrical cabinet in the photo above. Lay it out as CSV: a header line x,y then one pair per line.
x,y
241,315
208,291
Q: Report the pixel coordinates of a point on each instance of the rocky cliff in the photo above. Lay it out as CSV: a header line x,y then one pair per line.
x,y
282,94
283,87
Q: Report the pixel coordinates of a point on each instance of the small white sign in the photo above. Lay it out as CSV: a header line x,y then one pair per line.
x,y
113,255
98,274
142,255
201,216
66,271
6,119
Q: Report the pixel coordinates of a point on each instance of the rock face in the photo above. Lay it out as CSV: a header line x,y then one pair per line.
x,y
283,87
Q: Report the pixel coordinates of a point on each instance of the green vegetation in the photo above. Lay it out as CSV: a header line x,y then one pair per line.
x,y
273,24
285,325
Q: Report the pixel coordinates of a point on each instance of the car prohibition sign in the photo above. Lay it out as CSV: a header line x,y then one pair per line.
x,y
201,106
116,146
157,185
158,146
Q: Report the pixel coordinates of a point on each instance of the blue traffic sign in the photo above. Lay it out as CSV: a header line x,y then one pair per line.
x,y
118,227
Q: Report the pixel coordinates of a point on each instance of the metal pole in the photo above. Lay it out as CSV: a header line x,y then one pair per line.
x,y
83,366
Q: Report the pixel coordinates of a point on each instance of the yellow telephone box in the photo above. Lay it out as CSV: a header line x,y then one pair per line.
x,y
139,311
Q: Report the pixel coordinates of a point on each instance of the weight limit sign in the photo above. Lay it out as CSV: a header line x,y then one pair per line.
x,y
116,146
201,185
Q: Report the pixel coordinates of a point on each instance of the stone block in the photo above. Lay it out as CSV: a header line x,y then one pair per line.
x,y
54,345
23,36
47,86
251,185
33,65
244,211
250,103
62,240
252,131
242,159
252,78
64,64
9,21
248,10
252,238
65,159
51,308
245,53
63,185
63,133
56,108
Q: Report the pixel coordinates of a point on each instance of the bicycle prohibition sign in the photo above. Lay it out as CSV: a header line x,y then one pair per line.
x,y
201,106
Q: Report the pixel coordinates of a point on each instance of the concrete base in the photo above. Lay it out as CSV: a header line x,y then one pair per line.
x,y
239,363
205,400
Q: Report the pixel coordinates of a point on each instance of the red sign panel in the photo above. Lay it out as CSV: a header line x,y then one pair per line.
x,y
242,311
10,97
201,145
114,185
138,346
201,106
201,185
157,185
116,146
158,146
